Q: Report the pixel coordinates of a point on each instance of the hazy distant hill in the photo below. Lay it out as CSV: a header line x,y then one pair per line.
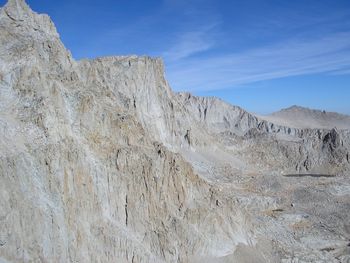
x,y
300,117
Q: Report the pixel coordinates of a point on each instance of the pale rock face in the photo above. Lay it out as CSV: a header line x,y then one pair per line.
x,y
261,141
101,162
81,178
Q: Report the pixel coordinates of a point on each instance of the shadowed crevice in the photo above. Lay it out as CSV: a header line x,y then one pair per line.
x,y
309,175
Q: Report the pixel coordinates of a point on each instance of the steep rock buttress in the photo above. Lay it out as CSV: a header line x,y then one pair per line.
x,y
100,161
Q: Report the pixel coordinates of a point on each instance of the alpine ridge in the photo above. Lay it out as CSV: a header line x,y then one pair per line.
x,y
100,161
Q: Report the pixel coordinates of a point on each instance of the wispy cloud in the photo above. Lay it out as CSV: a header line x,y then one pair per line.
x,y
341,72
190,43
290,58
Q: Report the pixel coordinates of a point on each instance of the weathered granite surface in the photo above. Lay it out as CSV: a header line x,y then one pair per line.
x,y
100,161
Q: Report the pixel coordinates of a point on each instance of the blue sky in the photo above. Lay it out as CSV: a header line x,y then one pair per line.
x,y
260,54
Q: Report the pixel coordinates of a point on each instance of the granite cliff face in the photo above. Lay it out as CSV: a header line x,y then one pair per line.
x,y
100,161
298,149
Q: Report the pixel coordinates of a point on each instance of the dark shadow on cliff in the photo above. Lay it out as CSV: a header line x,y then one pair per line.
x,y
309,175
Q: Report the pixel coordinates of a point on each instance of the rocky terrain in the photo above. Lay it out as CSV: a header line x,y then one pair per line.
x,y
100,161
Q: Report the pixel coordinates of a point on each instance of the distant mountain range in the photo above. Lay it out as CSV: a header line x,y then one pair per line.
x,y
100,161
301,117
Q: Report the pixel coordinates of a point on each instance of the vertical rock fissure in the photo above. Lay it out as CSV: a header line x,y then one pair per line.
x,y
126,210
187,137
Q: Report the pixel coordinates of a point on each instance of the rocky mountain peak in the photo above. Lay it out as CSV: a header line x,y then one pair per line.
x,y
27,37
294,107
18,9
17,13
100,161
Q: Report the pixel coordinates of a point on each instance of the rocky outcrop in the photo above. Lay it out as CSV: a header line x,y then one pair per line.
x,y
82,178
298,149
100,161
